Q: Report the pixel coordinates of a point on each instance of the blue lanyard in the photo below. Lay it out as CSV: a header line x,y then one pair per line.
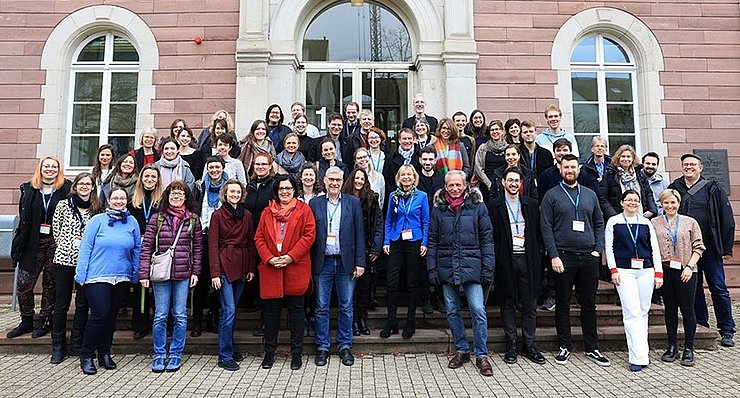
x,y
532,160
43,199
409,202
376,166
636,234
578,198
514,215
332,213
147,209
674,234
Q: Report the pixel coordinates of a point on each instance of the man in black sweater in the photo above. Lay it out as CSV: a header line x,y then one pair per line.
x,y
430,181
573,234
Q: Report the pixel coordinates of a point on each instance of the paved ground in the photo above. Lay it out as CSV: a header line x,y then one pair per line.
x,y
716,374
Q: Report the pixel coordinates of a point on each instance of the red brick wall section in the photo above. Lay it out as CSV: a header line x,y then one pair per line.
x,y
700,41
192,81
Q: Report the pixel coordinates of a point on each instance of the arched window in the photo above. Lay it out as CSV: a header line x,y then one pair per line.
x,y
604,93
346,33
103,96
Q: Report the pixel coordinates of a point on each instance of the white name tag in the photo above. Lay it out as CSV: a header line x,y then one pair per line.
x,y
45,229
407,234
517,240
579,226
331,240
280,247
76,242
636,263
676,263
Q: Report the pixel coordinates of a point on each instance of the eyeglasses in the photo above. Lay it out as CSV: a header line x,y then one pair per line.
x,y
285,189
177,194
261,164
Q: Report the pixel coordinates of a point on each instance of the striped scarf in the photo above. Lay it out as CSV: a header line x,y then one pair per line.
x,y
449,156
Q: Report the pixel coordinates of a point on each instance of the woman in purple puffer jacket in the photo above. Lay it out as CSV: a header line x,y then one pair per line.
x,y
176,213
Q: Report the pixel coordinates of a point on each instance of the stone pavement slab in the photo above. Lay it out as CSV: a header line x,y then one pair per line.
x,y
716,374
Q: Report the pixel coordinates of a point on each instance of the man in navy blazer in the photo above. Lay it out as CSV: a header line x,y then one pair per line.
x,y
337,257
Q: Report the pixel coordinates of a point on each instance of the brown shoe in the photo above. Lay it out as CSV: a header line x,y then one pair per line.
x,y
460,359
484,366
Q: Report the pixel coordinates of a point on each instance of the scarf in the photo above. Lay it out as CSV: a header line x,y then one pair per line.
x,y
264,148
455,204
116,215
214,188
280,213
127,184
79,203
449,156
237,211
175,166
292,166
399,194
498,148
628,178
406,154
177,214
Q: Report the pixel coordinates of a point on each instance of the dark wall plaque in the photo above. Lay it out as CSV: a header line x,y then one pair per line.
x,y
716,166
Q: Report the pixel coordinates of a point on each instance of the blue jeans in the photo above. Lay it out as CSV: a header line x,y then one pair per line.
x,y
332,273
174,293
474,295
711,266
228,295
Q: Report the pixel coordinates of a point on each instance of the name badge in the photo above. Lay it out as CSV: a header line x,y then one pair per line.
x,y
76,242
676,263
636,263
331,240
45,229
407,234
280,247
579,226
517,240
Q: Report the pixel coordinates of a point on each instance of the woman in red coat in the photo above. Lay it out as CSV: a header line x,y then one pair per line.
x,y
284,237
231,255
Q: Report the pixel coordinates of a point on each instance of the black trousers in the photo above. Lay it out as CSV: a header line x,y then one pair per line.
x,y
362,292
403,254
522,287
677,294
140,320
105,301
581,270
64,281
202,296
271,317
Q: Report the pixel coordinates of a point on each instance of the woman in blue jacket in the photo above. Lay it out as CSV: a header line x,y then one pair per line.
x,y
406,230
107,263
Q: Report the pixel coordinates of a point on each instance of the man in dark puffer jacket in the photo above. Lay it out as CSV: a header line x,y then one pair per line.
x,y
461,254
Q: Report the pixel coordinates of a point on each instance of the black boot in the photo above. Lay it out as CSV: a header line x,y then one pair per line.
x,y
58,347
43,324
362,325
75,343
106,361
26,326
409,329
88,366
212,321
355,329
196,329
391,327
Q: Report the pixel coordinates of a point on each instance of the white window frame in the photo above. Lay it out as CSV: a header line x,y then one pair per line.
x,y
107,67
601,68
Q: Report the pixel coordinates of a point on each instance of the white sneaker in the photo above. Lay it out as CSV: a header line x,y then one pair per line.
x,y
599,359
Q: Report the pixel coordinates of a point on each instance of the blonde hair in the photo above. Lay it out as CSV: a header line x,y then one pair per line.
x,y
622,149
138,196
37,181
229,120
667,193
413,171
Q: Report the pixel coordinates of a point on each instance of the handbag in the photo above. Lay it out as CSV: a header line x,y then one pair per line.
x,y
160,269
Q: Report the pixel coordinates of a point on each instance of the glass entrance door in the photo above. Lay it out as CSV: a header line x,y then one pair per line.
x,y
382,90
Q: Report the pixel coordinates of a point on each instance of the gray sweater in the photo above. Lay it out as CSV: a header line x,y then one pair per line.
x,y
558,214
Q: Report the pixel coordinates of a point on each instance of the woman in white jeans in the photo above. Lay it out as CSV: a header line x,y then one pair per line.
x,y
633,257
